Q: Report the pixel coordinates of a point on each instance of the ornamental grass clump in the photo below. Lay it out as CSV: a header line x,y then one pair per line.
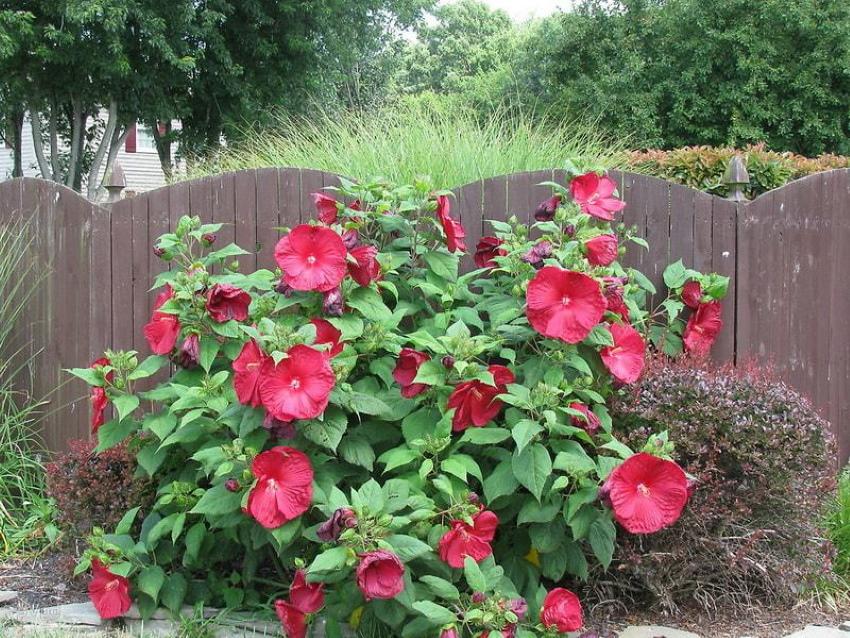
x,y
366,433
753,529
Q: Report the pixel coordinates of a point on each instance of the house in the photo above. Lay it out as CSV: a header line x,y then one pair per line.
x,y
138,158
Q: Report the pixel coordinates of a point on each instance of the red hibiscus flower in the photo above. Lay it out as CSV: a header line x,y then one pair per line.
x,y
304,596
99,400
299,386
561,610
293,621
593,194
284,486
545,211
703,327
487,249
475,402
646,493
692,294
564,304
326,334
380,574
464,540
601,250
405,371
162,330
326,208
226,302
312,258
453,228
367,269
625,359
590,423
109,593
247,369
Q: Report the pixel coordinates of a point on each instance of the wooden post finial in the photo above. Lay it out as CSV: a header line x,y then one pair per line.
x,y
736,179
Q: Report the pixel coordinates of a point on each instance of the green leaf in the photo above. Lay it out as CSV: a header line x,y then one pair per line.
x,y
125,404
473,575
370,304
209,349
150,581
602,535
442,264
500,482
161,424
327,432
573,459
112,433
576,560
174,592
524,431
408,548
485,436
148,367
398,457
675,275
534,512
350,325
218,501
89,375
532,467
431,372
441,588
126,522
194,539
436,614
599,336
329,561
357,451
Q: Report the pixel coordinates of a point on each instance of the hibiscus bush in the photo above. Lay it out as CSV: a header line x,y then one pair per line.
x,y
370,432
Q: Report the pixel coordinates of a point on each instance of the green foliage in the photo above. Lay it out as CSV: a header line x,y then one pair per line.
x,y
702,167
400,469
714,72
410,140
838,526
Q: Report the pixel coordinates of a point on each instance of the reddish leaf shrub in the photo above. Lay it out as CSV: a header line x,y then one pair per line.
x,y
702,167
94,490
764,459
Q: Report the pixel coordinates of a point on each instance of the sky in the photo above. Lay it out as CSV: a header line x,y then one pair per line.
x,y
521,10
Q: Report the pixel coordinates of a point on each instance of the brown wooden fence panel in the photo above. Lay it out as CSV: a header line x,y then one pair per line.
x,y
785,251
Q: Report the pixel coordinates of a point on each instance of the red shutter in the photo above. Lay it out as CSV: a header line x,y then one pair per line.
x,y
130,142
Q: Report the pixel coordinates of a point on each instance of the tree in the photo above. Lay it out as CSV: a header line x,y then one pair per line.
x,y
677,72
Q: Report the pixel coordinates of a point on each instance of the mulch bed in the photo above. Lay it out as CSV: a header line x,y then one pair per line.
x,y
46,581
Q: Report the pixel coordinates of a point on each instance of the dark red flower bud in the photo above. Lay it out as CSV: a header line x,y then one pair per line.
x,y
351,239
284,289
208,239
478,597
333,303
279,429
570,230
342,519
232,485
545,211
448,361
540,251
159,251
472,497
189,353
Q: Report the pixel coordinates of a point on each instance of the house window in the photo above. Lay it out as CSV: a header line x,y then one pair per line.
x,y
140,140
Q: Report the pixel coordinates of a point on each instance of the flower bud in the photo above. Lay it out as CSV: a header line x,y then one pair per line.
x,y
279,429
519,607
570,230
208,239
478,597
189,353
160,252
350,239
545,211
342,519
448,361
449,632
333,304
232,485
284,289
540,251
472,497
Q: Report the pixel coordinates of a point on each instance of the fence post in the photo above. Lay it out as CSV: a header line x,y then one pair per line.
x,y
736,178
116,183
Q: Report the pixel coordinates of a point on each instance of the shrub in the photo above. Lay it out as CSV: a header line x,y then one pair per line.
x,y
403,142
838,526
764,462
702,167
383,435
94,489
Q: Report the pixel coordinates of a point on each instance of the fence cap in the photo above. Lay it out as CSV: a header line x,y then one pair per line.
x,y
736,178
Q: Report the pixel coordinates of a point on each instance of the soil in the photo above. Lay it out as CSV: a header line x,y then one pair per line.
x,y
46,580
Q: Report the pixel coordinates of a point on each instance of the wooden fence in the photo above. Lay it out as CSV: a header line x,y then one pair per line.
x,y
788,253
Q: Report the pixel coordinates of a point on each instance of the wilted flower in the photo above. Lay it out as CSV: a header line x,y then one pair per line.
x,y
546,209
342,519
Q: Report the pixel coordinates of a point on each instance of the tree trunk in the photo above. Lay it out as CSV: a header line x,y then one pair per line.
x,y
38,144
163,148
53,132
119,136
77,124
16,129
106,141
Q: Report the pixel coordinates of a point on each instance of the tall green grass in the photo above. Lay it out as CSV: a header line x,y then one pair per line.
x,y
21,473
451,145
